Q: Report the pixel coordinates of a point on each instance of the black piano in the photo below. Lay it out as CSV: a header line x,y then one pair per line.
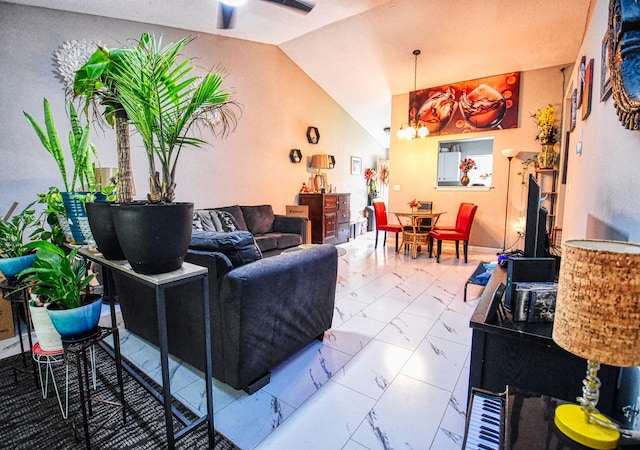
x,y
517,420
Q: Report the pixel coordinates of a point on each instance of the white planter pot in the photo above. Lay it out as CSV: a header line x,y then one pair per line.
x,y
47,335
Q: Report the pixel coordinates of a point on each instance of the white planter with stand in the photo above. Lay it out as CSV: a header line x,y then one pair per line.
x,y
47,335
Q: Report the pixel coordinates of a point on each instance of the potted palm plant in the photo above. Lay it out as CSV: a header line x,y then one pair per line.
x,y
15,255
82,179
164,102
62,281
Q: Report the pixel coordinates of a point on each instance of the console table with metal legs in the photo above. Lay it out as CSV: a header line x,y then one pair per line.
x,y
186,274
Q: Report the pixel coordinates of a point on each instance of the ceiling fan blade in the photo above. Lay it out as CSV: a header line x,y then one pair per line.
x,y
295,4
226,16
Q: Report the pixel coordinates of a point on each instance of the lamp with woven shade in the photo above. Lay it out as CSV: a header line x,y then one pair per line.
x,y
597,318
320,179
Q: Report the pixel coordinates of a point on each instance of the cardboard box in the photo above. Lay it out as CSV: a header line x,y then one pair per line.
x,y
300,211
7,329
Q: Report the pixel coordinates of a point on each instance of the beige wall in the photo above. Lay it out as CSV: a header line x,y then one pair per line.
x,y
414,163
602,198
250,167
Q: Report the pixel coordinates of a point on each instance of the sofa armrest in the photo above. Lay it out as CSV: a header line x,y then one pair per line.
x,y
210,260
291,224
273,307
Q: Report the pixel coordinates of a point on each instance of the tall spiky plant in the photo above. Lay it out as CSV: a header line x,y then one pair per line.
x,y
163,101
82,151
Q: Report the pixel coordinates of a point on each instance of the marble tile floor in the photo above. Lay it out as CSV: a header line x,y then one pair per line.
x,y
391,373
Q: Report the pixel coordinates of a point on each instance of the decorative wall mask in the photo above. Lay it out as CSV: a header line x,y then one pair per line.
x,y
624,60
69,57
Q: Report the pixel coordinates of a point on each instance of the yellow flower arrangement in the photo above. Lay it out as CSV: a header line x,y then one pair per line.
x,y
547,130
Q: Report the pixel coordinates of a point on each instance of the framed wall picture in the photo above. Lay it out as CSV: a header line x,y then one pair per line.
x,y
587,93
574,110
356,165
605,73
580,84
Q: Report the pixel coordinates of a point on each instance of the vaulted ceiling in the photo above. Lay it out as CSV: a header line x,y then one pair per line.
x,y
360,51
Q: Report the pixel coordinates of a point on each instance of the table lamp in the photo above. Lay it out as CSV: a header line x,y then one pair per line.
x,y
320,179
597,317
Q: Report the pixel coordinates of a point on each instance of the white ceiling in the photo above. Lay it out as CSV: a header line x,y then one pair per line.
x,y
360,51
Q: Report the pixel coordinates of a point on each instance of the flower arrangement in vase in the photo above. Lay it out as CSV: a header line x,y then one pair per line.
x,y
547,135
414,204
466,165
372,183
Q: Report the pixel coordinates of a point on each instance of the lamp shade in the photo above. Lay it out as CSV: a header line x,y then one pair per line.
x,y
598,305
510,152
320,162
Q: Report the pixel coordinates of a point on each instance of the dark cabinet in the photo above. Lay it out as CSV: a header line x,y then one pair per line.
x,y
523,355
329,215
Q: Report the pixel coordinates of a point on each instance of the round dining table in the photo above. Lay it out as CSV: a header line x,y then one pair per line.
x,y
416,233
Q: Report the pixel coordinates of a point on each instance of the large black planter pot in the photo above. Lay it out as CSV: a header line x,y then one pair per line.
x,y
154,237
103,229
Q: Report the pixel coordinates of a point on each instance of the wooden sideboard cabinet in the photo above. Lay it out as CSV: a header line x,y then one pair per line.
x,y
329,215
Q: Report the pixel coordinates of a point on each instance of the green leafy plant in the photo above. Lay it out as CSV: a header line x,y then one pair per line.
x,y
59,277
54,208
82,152
94,87
525,167
14,230
161,99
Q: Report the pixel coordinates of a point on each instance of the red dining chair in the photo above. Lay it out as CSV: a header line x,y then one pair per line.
x,y
459,232
382,224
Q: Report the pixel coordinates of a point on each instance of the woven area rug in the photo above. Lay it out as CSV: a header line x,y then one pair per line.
x,y
27,421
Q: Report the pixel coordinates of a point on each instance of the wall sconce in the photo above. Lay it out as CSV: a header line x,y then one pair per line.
x,y
313,135
295,156
332,162
320,179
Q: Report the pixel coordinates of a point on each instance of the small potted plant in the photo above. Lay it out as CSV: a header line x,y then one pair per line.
x,y
15,255
62,280
83,153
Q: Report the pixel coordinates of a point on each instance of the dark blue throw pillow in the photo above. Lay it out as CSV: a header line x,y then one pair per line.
x,y
239,246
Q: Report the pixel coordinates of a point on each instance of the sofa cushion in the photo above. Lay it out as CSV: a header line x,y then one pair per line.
x,y
287,240
266,242
214,220
237,214
239,246
259,219
283,240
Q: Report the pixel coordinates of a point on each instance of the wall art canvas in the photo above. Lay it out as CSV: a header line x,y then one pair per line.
x,y
587,93
581,70
466,107
574,109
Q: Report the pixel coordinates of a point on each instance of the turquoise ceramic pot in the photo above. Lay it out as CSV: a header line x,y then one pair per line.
x,y
77,323
10,267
